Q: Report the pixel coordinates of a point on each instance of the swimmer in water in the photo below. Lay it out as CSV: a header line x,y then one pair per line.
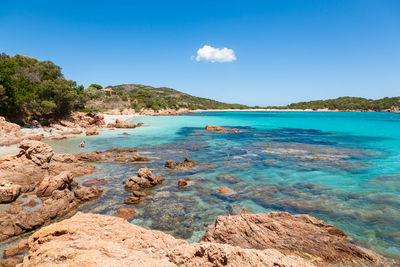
x,y
82,144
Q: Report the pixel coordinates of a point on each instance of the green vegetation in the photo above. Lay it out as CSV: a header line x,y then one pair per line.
x,y
142,96
33,89
349,103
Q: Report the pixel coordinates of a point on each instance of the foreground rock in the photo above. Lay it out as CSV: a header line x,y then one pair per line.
x,y
17,221
144,179
186,163
305,235
218,129
99,240
9,192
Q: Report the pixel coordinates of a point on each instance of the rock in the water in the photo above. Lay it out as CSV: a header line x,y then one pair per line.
x,y
121,150
92,156
124,124
186,163
84,193
288,233
144,179
99,240
125,213
132,159
19,248
182,182
92,131
225,190
9,192
135,197
49,184
219,129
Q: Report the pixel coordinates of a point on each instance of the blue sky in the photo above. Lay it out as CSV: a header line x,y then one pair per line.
x,y
285,51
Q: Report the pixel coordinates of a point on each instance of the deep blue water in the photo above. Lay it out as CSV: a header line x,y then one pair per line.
x,y
341,167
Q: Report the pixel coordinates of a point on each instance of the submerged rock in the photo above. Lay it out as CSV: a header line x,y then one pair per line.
x,y
303,234
219,129
225,190
95,182
125,213
186,163
144,179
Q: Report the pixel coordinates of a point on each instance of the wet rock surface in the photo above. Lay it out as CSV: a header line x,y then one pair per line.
x,y
135,197
143,179
186,163
125,213
75,242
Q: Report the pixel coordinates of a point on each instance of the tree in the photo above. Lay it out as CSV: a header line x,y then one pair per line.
x,y
30,88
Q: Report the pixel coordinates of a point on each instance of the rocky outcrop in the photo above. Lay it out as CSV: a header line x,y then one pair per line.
x,y
92,131
124,124
83,193
99,240
135,197
218,129
17,220
9,192
301,234
35,161
186,163
51,183
10,133
35,151
144,179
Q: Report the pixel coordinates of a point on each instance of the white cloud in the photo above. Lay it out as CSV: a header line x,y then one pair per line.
x,y
211,54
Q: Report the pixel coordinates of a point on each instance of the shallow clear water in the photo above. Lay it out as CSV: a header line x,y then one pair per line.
x,y
342,167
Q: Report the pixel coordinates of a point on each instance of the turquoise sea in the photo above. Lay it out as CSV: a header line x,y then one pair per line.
x,y
341,167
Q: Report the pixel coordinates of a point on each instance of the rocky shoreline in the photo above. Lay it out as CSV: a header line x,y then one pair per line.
x,y
38,186
272,239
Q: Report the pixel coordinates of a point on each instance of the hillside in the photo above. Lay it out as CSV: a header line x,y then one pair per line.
x,y
350,103
140,97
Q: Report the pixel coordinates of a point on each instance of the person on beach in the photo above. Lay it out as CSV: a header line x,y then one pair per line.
x,y
51,131
82,144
